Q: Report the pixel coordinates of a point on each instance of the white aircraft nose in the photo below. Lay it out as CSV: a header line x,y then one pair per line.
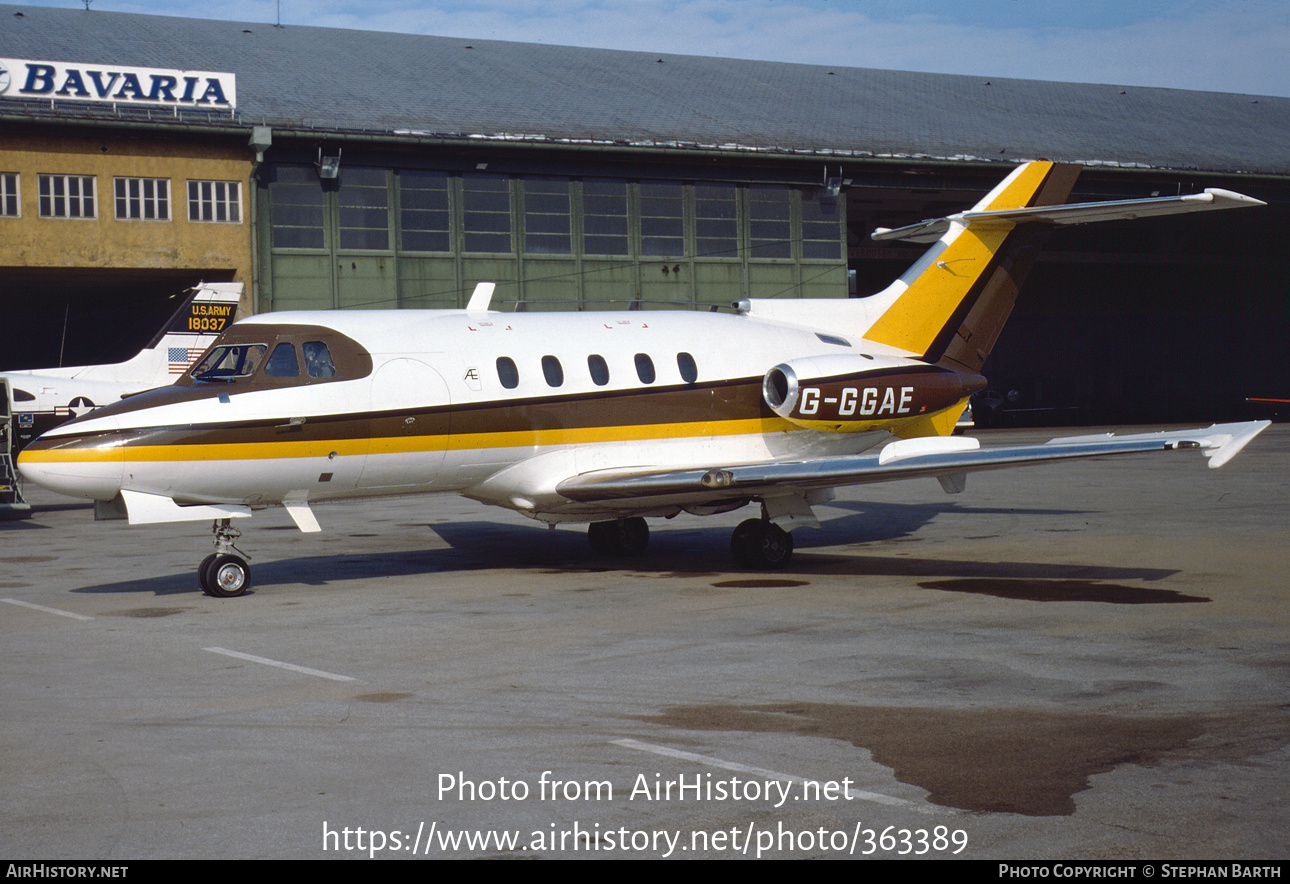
x,y
74,465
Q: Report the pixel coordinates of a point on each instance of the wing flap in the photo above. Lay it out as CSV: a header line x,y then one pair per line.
x,y
1219,442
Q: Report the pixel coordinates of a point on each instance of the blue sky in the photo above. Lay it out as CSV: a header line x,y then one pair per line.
x,y
1218,45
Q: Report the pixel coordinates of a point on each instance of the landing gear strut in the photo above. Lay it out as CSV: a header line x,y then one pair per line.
x,y
762,545
224,573
620,537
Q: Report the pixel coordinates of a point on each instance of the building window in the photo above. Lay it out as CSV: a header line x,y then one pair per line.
x,y
662,219
299,208
716,220
770,213
215,201
604,217
546,216
820,222
486,211
142,199
364,205
10,205
67,196
424,211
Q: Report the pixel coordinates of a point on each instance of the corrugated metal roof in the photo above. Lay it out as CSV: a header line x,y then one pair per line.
x,y
343,81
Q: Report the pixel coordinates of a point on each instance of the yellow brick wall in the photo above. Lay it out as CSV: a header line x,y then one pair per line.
x,y
33,241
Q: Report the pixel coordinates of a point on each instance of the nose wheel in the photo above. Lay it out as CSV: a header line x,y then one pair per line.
x,y
224,573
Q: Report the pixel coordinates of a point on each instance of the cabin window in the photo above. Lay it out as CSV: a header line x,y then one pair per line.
x,y
599,370
22,396
552,371
507,373
645,368
283,362
229,362
689,371
318,360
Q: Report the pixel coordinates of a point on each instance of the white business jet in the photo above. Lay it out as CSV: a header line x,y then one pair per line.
x,y
606,418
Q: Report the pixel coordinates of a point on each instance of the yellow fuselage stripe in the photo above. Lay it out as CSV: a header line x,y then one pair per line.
x,y
400,445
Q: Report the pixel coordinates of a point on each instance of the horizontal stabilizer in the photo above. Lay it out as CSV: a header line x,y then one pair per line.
x,y
1219,443
1078,213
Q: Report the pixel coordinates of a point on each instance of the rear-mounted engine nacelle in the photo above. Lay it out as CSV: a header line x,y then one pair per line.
x,y
853,393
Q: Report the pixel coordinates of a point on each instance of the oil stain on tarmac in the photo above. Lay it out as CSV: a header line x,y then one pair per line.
x,y
1063,591
989,759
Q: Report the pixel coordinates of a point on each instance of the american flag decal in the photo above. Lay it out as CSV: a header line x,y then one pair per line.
x,y
180,358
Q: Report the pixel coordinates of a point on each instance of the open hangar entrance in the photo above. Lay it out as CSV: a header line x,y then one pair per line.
x,y
54,316
1179,318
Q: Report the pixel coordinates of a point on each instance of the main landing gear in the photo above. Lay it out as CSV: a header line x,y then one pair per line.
x,y
619,537
757,543
762,545
224,573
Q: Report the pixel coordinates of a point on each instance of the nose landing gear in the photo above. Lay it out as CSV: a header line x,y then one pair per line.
x,y
224,573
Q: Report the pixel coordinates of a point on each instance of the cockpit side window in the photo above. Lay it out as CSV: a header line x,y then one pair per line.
x,y
229,362
318,360
283,362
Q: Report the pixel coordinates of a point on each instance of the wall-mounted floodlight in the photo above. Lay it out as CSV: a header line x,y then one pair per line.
x,y
328,167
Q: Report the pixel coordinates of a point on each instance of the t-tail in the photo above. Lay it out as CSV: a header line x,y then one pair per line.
x,y
950,307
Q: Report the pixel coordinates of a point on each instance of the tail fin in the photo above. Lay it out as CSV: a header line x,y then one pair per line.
x,y
193,327
952,304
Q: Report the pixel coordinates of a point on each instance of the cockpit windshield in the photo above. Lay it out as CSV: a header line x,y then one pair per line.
x,y
229,362
258,356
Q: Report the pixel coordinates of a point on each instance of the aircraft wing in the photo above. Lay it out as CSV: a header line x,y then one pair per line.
x,y
948,458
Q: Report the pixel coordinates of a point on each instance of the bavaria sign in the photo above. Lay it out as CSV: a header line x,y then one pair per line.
x,y
116,84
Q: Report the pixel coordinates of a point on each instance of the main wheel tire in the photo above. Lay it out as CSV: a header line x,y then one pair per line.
x,y
740,540
203,573
762,545
227,576
619,537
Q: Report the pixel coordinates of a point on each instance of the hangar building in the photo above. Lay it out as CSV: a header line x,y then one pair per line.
x,y
341,169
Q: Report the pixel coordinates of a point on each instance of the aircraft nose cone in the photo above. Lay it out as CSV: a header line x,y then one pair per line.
x,y
75,466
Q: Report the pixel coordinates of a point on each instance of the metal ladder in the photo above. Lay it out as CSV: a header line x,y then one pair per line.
x,y
12,506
